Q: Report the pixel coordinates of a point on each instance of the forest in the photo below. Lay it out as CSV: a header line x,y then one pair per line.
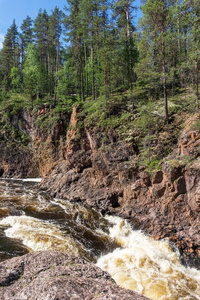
x,y
92,49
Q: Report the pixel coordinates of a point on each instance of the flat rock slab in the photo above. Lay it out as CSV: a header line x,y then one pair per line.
x,y
50,275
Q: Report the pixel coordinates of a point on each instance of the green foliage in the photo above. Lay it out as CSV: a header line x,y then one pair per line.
x,y
154,165
47,122
13,105
15,78
66,82
32,73
9,56
4,95
196,125
180,161
117,77
106,114
12,135
103,54
148,157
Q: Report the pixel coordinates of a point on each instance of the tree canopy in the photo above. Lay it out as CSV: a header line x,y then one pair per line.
x,y
92,49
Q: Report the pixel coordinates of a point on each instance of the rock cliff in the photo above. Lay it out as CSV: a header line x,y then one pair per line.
x,y
100,169
30,142
107,176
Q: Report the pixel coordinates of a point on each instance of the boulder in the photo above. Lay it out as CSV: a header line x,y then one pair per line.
x,y
49,275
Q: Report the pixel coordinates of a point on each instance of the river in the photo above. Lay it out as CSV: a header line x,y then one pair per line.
x,y
31,220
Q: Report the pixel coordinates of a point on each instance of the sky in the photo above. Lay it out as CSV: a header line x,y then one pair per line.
x,y
19,9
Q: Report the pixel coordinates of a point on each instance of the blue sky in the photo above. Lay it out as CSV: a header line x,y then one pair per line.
x,y
19,9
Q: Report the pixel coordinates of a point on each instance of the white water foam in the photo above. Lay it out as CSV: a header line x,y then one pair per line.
x,y
38,235
23,179
32,179
147,266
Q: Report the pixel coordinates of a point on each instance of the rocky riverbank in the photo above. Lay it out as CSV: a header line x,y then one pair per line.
x,y
55,275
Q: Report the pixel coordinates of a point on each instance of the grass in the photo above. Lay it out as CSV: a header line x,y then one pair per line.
x,y
196,125
181,161
152,166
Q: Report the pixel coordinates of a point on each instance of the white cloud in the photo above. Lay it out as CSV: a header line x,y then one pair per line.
x,y
1,40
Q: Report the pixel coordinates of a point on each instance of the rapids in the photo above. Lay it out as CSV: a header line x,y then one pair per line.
x,y
147,266
31,220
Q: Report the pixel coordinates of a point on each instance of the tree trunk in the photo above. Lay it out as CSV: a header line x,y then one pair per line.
x,y
128,45
86,69
56,69
164,80
107,80
92,60
197,84
81,72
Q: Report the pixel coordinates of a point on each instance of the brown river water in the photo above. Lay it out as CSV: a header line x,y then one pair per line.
x,y
31,220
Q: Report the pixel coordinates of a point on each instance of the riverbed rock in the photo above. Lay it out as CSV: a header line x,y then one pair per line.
x,y
50,275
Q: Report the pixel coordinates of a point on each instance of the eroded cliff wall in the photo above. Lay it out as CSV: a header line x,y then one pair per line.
x,y
102,170
164,203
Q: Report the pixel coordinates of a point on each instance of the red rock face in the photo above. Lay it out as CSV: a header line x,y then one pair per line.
x,y
71,133
189,140
165,204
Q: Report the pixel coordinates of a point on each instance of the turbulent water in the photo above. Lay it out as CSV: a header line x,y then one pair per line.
x,y
147,266
32,220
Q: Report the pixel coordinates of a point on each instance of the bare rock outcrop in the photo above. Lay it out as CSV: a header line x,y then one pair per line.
x,y
107,177
49,275
29,146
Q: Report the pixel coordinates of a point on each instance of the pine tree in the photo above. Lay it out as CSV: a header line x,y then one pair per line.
x,y
194,44
54,34
41,40
73,29
155,23
95,29
10,54
123,13
26,36
87,30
